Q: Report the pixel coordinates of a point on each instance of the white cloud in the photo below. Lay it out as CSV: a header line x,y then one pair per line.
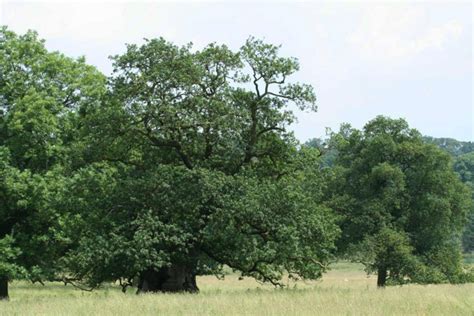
x,y
392,32
438,36
96,21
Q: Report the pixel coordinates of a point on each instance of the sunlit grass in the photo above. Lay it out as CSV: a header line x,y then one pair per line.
x,y
346,290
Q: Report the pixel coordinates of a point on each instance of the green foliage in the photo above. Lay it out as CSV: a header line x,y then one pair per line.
x,y
188,162
9,253
452,146
327,151
464,166
463,153
387,249
183,158
400,201
42,95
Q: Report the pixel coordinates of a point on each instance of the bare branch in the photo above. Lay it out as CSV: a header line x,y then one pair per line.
x,y
281,96
271,128
126,284
256,79
71,281
166,143
319,263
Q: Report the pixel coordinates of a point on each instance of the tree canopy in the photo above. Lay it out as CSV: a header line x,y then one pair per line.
x,y
41,97
464,166
193,168
452,146
463,153
182,162
402,207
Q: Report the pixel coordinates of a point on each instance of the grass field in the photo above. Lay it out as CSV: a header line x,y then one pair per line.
x,y
346,290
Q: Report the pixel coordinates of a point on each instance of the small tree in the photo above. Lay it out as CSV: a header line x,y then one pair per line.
x,y
400,202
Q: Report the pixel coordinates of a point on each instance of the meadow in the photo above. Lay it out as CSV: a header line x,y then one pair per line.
x,y
345,290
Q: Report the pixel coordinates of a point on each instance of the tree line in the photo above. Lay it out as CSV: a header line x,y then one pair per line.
x,y
463,155
181,163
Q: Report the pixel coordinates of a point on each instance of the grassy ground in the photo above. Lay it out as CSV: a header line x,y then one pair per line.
x,y
346,290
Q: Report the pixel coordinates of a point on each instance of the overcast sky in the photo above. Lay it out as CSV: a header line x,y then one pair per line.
x,y
397,59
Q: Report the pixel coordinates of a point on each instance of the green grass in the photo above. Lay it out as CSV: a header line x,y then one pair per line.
x,y
346,290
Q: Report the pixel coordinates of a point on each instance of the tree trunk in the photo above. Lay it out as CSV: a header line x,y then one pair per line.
x,y
176,278
3,288
381,277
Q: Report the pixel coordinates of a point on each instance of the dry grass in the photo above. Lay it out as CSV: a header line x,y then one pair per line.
x,y
344,291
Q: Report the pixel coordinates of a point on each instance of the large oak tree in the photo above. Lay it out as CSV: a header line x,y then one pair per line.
x,y
191,167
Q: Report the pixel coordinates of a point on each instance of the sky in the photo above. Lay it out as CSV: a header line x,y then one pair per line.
x,y
400,59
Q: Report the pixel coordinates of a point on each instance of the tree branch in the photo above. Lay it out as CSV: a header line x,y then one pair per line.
x,y
166,143
271,128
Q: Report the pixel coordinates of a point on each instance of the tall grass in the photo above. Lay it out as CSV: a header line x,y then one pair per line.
x,y
344,291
